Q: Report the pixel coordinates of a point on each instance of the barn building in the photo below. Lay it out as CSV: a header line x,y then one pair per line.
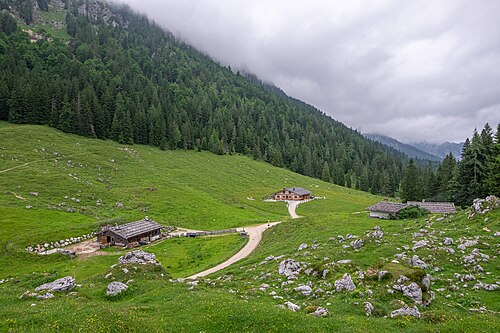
x,y
130,234
435,207
293,193
385,209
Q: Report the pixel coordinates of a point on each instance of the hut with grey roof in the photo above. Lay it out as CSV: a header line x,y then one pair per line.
x,y
385,209
292,193
435,207
130,234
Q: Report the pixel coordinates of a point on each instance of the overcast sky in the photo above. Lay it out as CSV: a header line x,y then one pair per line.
x,y
415,70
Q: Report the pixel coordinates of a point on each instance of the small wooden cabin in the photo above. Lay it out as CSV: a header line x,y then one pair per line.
x,y
293,193
130,234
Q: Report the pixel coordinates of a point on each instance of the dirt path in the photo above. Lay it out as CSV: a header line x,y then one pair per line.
x,y
254,238
38,161
292,205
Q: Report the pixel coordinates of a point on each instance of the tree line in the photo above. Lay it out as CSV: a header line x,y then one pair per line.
x,y
475,175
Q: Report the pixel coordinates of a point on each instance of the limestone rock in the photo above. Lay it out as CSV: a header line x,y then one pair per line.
x,y
289,267
369,308
415,261
489,287
406,311
345,283
305,290
139,257
64,284
344,261
45,296
420,244
381,274
413,291
426,281
292,307
357,244
320,312
302,246
115,288
447,241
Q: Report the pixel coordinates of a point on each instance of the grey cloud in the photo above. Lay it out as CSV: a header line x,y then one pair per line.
x,y
415,70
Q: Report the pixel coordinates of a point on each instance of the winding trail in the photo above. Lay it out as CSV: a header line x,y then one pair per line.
x,y
254,238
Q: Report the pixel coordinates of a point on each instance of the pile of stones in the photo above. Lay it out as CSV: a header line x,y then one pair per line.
x,y
63,242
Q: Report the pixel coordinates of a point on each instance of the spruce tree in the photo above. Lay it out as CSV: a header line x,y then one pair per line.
x,y
410,185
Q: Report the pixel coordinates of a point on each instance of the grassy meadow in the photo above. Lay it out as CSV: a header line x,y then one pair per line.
x,y
200,190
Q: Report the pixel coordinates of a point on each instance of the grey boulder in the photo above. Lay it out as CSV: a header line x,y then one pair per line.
x,y
115,288
64,284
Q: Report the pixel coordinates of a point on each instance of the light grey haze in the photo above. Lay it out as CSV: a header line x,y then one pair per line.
x,y
415,70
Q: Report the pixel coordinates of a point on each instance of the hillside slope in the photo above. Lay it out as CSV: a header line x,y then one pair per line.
x,y
199,189
99,70
94,180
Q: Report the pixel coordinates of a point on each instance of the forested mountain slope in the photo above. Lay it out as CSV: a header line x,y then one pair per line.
x,y
100,70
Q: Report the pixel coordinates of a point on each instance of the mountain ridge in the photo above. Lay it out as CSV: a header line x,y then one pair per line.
x,y
410,150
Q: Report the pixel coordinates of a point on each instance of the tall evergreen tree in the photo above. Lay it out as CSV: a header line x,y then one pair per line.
x,y
410,185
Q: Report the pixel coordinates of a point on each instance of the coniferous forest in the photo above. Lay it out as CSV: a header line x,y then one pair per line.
x,y
116,75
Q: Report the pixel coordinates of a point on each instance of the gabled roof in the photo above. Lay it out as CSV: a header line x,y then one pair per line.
x,y
137,228
386,207
298,190
435,207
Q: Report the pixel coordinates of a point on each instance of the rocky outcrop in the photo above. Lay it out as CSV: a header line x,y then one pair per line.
x,y
357,244
345,283
415,261
483,206
320,312
64,284
305,290
413,291
289,267
115,288
485,286
406,311
292,307
447,241
368,308
138,257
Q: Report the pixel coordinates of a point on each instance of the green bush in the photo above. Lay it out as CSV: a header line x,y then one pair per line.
x,y
412,212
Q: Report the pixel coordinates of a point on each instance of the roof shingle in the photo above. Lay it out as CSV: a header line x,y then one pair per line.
x,y
137,228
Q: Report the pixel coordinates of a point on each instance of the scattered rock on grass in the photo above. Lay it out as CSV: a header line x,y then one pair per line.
x,y
115,288
369,308
302,246
345,283
357,244
292,307
320,312
406,311
64,284
289,267
139,257
415,261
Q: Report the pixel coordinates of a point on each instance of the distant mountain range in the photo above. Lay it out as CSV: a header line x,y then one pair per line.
x,y
407,149
442,149
422,150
